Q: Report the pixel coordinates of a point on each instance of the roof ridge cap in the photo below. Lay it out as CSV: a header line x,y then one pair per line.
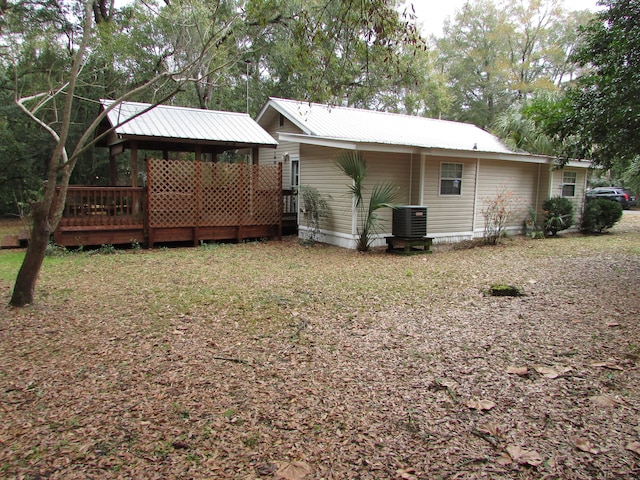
x,y
366,110
180,107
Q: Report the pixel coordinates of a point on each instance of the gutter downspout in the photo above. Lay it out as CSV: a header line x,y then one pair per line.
x,y
422,169
475,199
537,205
354,219
410,177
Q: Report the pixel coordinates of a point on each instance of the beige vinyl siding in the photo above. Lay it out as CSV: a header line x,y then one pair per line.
x,y
543,189
388,168
556,187
415,162
271,156
449,213
519,179
318,170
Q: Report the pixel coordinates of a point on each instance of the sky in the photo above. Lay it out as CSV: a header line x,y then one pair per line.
x,y
432,13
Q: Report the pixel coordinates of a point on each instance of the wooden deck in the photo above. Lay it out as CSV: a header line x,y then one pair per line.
x,y
183,202
102,215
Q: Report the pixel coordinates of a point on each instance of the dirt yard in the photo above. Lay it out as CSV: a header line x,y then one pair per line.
x,y
275,360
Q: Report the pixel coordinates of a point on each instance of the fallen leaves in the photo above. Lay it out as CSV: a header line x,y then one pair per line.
x,y
552,372
610,365
405,474
491,428
394,376
634,447
522,371
521,456
585,445
480,405
293,471
606,401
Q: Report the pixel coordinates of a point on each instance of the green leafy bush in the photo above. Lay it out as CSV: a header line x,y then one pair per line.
x,y
600,214
558,213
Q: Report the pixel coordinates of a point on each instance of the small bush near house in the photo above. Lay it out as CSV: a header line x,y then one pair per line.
x,y
531,227
498,211
315,209
558,215
600,214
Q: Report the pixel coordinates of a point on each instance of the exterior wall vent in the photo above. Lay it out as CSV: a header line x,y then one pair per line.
x,y
409,221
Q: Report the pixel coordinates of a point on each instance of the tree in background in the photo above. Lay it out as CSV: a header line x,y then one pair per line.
x,y
472,57
599,117
494,55
348,53
521,133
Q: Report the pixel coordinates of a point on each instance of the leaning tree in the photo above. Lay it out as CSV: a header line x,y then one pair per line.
x,y
51,103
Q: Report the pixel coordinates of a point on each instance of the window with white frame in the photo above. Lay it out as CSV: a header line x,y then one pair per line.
x,y
569,184
450,178
295,173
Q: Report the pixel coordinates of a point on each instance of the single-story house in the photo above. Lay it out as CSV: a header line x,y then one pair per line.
x,y
451,168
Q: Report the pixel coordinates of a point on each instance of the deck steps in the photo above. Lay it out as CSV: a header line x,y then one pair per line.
x,y
18,240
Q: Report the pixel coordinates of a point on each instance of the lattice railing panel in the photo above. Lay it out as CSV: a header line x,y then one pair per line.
x,y
221,199
171,186
265,205
186,193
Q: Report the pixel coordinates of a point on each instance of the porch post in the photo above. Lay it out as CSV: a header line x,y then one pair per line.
x,y
241,203
134,163
421,182
113,173
198,193
280,202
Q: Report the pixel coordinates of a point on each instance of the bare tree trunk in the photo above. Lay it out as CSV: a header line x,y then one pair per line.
x,y
46,213
24,288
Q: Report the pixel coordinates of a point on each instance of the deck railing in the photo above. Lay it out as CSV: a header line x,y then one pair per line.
x,y
289,203
103,206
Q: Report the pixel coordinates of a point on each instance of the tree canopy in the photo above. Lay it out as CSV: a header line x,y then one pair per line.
x,y
599,117
493,55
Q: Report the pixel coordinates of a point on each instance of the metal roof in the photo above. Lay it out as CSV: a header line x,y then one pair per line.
x,y
168,122
368,126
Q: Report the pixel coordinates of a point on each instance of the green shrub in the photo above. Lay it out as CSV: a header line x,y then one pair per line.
x,y
55,250
558,215
600,214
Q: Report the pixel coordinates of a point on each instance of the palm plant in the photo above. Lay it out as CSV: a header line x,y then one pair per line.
x,y
520,132
354,166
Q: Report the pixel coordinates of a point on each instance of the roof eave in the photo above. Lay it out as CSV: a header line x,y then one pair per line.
x,y
444,152
273,103
188,141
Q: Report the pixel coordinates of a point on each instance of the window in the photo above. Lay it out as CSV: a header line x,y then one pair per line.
x,y
450,178
569,184
295,173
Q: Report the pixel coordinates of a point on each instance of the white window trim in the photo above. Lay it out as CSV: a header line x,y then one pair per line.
x,y
450,178
565,183
295,182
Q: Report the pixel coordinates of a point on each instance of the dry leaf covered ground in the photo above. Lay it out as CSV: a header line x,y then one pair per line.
x,y
274,360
